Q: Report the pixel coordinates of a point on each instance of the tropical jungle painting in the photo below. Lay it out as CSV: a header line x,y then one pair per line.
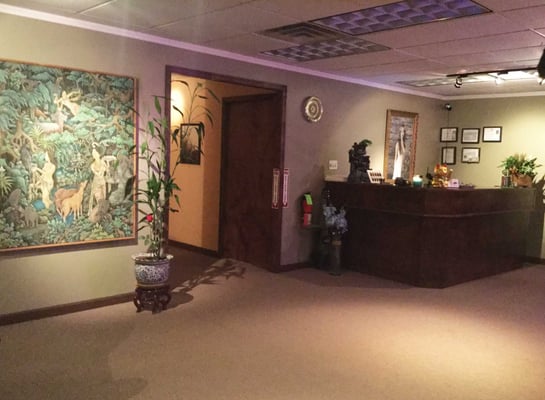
x,y
66,162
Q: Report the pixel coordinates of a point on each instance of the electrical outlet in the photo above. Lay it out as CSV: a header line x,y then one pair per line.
x,y
333,164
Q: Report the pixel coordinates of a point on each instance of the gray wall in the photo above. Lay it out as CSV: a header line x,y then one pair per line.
x,y
351,113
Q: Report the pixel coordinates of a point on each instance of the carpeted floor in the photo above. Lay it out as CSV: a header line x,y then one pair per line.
x,y
233,331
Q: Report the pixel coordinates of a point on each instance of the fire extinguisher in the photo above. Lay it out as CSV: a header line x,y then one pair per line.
x,y
306,204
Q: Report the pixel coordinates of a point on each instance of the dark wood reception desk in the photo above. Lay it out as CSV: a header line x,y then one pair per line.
x,y
433,237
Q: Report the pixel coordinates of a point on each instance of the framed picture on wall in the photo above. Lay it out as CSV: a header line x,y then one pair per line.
x,y
492,134
471,154
400,144
448,134
190,143
448,155
470,135
67,164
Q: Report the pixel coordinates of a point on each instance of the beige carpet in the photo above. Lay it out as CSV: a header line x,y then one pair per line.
x,y
238,332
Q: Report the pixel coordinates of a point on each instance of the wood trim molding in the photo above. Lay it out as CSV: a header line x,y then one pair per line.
x,y
46,312
195,249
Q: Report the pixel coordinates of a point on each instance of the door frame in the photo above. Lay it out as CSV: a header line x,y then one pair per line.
x,y
280,90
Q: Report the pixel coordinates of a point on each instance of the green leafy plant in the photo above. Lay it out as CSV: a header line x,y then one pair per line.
x,y
154,197
6,182
194,114
519,164
196,111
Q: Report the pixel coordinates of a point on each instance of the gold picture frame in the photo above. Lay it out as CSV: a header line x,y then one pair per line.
x,y
400,145
67,166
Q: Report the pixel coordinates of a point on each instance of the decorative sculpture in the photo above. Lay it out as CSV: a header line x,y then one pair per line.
x,y
359,162
441,175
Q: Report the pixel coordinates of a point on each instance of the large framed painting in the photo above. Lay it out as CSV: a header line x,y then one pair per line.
x,y
400,145
66,161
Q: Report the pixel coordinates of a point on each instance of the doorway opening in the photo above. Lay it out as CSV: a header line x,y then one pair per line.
x,y
226,206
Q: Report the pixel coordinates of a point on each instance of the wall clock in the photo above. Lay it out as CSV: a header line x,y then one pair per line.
x,y
312,109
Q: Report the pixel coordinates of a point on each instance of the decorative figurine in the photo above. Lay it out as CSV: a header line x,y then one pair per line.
x,y
441,175
359,162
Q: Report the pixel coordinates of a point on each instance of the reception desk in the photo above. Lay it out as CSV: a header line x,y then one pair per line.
x,y
433,237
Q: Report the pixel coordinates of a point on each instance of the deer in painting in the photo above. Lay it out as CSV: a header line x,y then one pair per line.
x,y
73,204
56,126
61,195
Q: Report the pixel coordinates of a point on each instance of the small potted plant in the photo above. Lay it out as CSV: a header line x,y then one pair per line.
x,y
337,226
521,168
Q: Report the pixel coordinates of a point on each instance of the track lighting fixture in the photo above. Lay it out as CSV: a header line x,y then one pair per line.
x,y
458,82
498,79
500,76
541,68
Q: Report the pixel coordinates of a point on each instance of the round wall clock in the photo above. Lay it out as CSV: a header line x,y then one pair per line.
x,y
313,109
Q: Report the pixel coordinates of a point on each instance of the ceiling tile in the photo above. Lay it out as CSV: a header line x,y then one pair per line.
x,y
482,44
247,44
147,14
56,6
195,30
312,9
409,66
524,57
360,60
533,17
460,28
502,5
249,19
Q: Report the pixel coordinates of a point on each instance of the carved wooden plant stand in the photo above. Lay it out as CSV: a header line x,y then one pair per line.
x,y
155,297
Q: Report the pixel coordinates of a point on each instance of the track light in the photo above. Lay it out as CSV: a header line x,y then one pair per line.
x,y
498,79
500,76
458,82
541,67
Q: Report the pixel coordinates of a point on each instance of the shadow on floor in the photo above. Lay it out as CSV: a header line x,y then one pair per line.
x,y
191,269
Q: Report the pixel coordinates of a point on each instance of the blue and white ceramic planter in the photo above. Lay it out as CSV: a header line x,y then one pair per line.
x,y
149,271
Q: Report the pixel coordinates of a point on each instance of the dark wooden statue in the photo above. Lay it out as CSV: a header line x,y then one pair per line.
x,y
359,162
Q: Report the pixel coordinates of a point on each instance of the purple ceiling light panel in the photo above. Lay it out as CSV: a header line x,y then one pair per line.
x,y
327,49
400,14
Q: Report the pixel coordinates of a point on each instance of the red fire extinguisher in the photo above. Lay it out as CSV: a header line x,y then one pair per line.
x,y
306,204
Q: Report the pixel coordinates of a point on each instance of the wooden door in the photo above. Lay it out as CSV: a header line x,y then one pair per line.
x,y
250,228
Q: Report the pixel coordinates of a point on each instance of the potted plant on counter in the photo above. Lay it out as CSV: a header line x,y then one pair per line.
x,y
521,168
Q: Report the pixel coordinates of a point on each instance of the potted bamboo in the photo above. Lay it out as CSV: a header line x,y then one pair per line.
x,y
157,194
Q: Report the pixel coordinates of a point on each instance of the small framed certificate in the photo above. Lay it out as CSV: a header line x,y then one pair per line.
x,y
448,155
471,154
470,135
492,134
448,134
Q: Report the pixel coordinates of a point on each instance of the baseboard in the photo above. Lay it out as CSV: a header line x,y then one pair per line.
x,y
200,250
46,312
288,267
535,260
